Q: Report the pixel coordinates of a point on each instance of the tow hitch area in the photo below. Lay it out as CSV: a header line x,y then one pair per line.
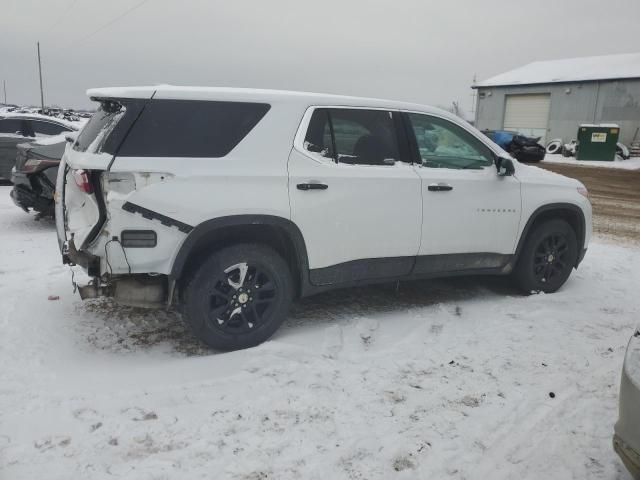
x,y
93,290
72,256
143,291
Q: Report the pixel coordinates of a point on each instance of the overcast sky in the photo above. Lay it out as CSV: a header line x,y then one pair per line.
x,y
416,50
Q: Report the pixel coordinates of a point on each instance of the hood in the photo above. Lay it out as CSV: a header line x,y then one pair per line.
x,y
531,174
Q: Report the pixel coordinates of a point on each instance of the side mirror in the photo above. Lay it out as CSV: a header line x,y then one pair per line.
x,y
505,167
71,137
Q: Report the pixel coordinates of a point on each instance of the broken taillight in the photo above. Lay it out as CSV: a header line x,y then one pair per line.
x,y
83,181
32,165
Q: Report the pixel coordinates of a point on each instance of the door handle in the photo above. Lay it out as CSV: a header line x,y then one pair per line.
x,y
439,187
312,186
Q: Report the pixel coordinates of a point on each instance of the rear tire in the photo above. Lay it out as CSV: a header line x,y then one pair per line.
x,y
547,258
238,297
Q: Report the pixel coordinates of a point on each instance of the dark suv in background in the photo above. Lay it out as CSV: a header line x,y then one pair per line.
x,y
16,129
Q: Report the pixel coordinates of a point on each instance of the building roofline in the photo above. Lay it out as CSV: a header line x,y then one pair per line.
x,y
560,82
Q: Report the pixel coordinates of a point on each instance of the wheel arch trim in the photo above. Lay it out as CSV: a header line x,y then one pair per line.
x,y
550,207
209,227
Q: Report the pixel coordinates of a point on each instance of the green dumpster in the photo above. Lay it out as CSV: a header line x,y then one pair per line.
x,y
597,142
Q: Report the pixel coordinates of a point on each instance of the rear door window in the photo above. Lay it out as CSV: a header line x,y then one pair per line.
x,y
96,131
189,128
365,137
354,136
318,139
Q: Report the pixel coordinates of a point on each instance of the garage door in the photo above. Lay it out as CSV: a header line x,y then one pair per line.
x,y
528,114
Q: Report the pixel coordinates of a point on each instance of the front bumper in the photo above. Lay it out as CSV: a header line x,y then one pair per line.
x,y
626,440
628,455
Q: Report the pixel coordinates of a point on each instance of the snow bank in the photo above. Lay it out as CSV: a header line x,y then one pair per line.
x,y
440,379
630,164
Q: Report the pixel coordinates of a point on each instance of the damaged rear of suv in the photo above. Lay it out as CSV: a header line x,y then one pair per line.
x,y
132,147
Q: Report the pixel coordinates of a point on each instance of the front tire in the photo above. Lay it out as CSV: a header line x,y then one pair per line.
x,y
238,297
547,258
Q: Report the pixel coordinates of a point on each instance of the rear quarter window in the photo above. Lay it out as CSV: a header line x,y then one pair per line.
x,y
98,128
190,128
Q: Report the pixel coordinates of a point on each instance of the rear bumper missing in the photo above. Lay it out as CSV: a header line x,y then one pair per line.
x,y
135,290
142,291
71,256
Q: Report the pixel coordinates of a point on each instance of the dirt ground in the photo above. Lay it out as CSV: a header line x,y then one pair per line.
x,y
615,195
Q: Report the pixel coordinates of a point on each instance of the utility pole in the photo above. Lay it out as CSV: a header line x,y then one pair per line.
x,y
473,98
40,73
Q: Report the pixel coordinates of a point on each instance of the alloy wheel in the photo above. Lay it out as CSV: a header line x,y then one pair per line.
x,y
549,260
242,298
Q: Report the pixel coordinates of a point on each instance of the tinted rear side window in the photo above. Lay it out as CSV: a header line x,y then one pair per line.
x,y
188,128
95,132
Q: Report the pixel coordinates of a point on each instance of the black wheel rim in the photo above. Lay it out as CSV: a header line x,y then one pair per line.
x,y
242,298
550,258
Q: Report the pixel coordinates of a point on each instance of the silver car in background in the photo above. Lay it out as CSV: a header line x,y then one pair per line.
x,y
626,439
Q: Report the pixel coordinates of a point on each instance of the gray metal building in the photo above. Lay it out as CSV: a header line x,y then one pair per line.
x,y
551,99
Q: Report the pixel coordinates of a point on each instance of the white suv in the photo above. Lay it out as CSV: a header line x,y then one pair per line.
x,y
231,203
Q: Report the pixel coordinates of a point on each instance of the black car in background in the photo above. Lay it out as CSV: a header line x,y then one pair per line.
x,y
523,148
35,172
17,129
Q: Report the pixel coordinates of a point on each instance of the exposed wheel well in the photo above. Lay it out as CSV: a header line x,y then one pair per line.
x,y
569,213
273,236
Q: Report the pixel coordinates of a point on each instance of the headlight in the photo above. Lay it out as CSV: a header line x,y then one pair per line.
x,y
584,192
632,358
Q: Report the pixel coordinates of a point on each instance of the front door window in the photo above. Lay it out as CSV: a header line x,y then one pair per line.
x,y
442,144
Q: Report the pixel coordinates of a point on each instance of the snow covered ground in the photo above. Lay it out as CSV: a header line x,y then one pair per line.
x,y
440,379
629,164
